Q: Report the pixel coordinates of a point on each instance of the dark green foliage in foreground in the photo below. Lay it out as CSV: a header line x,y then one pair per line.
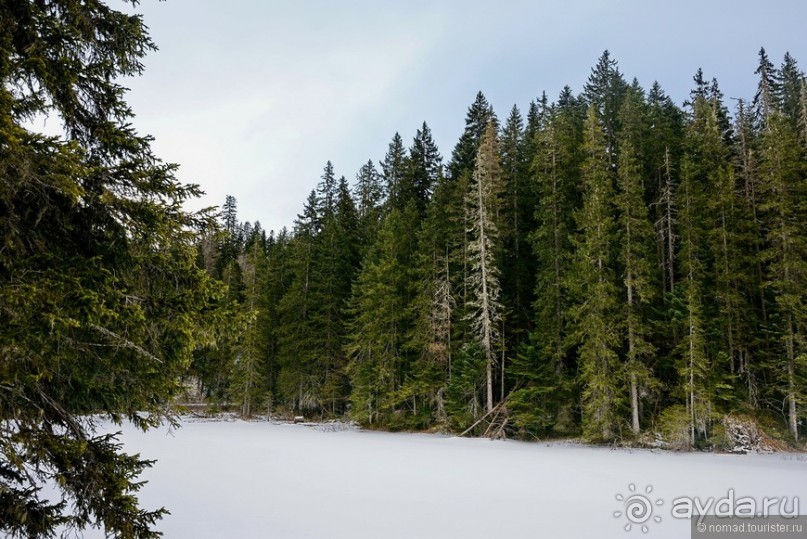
x,y
101,301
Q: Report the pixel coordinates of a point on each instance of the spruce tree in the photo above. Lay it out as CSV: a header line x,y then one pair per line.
x,y
753,359
476,120
424,167
661,150
327,192
380,322
484,288
696,370
556,171
393,171
277,282
592,285
694,364
636,249
516,218
297,385
101,301
545,369
784,215
246,387
790,80
766,100
725,238
368,195
605,89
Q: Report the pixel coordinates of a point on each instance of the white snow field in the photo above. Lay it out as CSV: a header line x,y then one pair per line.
x,y
236,479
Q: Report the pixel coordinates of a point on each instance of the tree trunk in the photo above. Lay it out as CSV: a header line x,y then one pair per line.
x,y
791,381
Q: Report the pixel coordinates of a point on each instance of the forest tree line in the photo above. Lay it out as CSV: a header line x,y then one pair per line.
x,y
610,265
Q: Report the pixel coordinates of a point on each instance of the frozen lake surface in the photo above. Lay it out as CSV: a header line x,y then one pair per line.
x,y
236,479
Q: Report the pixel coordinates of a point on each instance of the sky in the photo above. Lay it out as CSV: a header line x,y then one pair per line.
x,y
252,97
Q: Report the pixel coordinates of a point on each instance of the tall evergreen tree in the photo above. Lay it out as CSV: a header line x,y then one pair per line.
x,y
393,171
516,218
327,192
592,285
380,323
368,194
636,249
605,89
335,264
784,216
545,369
746,155
790,79
425,167
766,100
101,301
297,384
556,171
725,234
277,282
483,278
695,365
247,383
476,120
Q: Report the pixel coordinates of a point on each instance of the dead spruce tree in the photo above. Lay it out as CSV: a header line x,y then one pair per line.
x,y
483,286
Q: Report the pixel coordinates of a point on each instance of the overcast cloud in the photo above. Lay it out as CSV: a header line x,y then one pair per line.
x,y
252,97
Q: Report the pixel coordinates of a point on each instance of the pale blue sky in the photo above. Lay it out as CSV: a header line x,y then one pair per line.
x,y
252,97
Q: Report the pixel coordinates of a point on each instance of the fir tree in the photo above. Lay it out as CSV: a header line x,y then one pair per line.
x,y
725,238
277,282
746,167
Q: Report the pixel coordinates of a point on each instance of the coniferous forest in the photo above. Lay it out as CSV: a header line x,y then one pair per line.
x,y
608,264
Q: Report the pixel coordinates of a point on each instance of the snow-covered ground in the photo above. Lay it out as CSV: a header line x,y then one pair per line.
x,y
236,479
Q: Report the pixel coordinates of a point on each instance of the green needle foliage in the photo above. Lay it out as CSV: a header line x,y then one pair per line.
x,y
101,301
592,286
613,265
